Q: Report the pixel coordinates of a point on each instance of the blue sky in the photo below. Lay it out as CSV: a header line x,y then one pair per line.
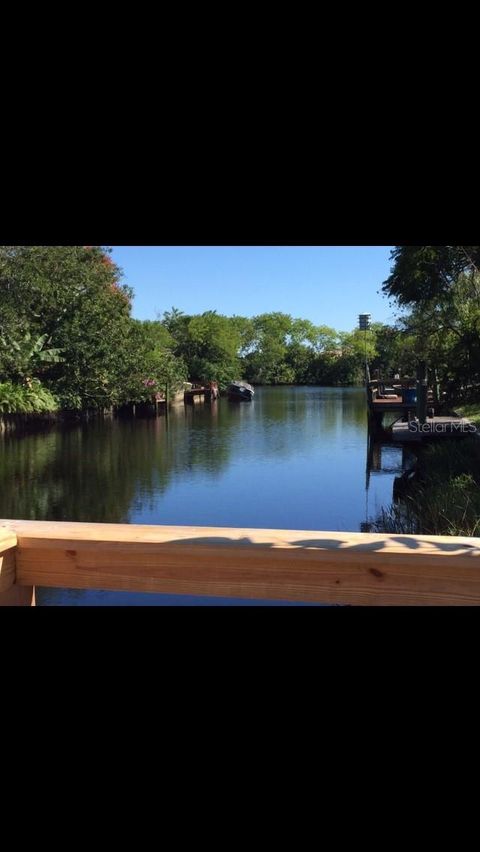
x,y
329,285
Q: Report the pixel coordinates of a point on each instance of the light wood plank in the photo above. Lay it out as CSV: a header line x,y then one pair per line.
x,y
7,570
11,594
18,596
8,541
8,538
301,565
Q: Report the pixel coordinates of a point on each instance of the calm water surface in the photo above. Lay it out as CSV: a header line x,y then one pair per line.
x,y
294,458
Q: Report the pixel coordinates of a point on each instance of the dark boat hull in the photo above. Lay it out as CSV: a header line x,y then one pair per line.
x,y
240,393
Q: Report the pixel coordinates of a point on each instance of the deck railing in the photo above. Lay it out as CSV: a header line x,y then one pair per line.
x,y
292,565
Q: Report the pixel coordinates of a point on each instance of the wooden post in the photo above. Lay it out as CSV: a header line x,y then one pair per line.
x,y
10,593
376,457
436,385
422,392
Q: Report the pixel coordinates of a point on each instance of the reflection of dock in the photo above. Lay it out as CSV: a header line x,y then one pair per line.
x,y
396,460
380,460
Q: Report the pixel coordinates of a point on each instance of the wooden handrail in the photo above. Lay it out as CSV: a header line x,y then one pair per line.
x,y
8,542
11,592
295,565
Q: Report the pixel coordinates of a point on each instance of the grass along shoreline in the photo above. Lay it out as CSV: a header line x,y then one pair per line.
x,y
444,496
471,411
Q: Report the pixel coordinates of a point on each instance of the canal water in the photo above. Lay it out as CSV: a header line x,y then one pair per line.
x,y
294,458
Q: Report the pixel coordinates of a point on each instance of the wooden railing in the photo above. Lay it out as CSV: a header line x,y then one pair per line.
x,y
293,565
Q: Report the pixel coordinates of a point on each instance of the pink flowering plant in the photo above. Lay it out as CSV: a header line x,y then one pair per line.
x,y
151,388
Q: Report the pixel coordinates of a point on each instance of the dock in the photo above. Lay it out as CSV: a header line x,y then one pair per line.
x,y
398,397
434,428
413,403
190,395
207,393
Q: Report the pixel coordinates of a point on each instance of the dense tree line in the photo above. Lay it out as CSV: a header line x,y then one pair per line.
x,y
68,340
272,348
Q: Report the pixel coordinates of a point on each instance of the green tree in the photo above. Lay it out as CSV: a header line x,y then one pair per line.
x,y
424,273
395,350
25,358
207,343
73,295
266,362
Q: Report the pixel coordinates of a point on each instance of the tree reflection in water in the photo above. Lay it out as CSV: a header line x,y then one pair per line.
x,y
294,458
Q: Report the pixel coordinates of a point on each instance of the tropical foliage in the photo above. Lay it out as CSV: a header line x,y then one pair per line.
x,y
27,356
66,322
30,398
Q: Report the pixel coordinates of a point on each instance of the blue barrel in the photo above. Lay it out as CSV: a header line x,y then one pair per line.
x,y
410,396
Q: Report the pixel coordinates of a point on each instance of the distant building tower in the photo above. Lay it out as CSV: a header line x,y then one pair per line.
x,y
364,325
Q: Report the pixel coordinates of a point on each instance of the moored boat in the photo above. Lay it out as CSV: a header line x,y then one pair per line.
x,y
239,391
